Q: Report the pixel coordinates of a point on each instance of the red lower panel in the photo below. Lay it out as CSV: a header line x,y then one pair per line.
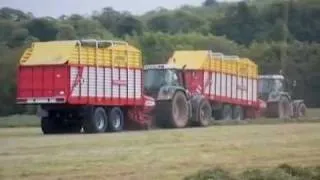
x,y
106,101
234,101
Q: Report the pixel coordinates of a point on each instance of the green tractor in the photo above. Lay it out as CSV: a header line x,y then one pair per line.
x,y
277,93
175,106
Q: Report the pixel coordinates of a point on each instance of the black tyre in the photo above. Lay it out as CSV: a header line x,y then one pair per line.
x,y
203,113
96,121
57,125
302,110
238,113
116,120
50,126
177,111
73,127
226,113
285,108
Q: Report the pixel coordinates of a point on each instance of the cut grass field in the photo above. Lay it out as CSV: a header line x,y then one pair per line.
x,y
160,154
33,121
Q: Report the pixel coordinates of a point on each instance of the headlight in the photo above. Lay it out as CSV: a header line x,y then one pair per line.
x,y
149,103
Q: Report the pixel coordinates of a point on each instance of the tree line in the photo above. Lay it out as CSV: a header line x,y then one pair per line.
x,y
256,29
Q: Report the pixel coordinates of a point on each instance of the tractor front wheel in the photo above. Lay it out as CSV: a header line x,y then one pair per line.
x,y
302,110
285,108
177,111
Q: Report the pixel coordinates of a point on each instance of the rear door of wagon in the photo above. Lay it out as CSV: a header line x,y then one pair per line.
x,y
42,84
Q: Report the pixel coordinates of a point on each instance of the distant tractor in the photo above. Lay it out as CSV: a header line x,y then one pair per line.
x,y
274,90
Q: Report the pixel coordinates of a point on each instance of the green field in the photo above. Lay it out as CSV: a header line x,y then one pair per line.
x,y
33,121
160,154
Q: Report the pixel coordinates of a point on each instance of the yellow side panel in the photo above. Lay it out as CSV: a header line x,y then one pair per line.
x,y
217,62
192,59
117,56
236,66
42,53
247,68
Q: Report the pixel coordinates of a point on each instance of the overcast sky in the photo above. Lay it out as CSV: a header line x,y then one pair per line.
x,y
56,8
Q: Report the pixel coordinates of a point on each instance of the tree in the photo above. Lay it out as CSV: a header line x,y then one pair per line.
x,y
18,37
160,23
180,21
109,18
43,29
14,14
66,32
209,3
86,28
242,24
129,25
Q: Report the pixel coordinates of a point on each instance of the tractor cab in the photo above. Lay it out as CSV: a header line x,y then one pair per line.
x,y
159,79
165,83
270,86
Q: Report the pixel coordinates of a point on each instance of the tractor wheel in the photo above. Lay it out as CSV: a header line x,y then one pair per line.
x,y
285,108
73,127
116,120
177,111
302,110
57,125
226,113
203,113
238,113
96,122
49,125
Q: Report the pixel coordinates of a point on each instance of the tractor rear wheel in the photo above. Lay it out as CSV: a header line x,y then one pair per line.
x,y
177,111
73,127
49,125
57,125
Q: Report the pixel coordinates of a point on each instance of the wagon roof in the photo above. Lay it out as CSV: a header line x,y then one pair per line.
x,y
192,59
59,52
197,59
